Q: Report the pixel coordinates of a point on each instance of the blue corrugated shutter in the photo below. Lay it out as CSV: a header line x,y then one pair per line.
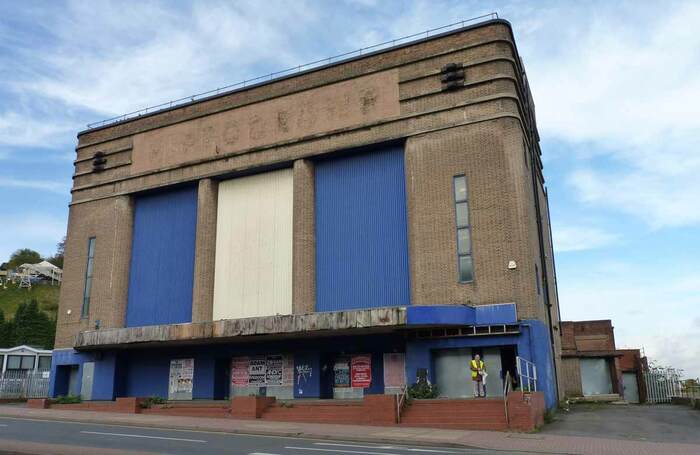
x,y
162,259
361,238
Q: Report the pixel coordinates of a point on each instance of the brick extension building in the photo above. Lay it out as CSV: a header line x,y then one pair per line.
x,y
593,367
331,233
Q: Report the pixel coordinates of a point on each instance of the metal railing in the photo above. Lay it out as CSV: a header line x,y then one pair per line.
x,y
527,374
296,69
506,389
24,384
661,385
401,402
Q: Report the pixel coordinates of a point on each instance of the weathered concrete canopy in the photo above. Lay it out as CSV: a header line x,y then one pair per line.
x,y
294,325
233,329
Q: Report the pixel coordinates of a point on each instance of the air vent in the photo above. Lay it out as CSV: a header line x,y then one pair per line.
x,y
98,162
452,76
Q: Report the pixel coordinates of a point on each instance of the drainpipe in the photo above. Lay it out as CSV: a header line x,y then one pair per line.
x,y
543,263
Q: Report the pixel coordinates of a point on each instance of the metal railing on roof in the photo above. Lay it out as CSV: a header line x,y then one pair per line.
x,y
294,70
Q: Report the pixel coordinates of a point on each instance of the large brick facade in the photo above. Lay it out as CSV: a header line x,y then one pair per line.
x,y
484,130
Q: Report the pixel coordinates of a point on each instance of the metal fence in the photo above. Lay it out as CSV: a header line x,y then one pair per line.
x,y
527,374
662,384
24,384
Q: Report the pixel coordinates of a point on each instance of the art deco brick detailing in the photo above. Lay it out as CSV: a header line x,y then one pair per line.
x,y
254,246
302,238
205,250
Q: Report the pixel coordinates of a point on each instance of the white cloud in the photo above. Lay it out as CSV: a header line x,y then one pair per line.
x,y
32,129
623,92
53,186
579,238
116,61
659,315
37,231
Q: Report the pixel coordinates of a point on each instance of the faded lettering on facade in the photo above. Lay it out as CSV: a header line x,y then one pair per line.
x,y
344,104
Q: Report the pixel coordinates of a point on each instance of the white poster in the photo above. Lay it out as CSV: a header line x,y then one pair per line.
x,y
262,370
181,378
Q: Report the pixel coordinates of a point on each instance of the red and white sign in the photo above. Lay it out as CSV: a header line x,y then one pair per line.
x,y
361,371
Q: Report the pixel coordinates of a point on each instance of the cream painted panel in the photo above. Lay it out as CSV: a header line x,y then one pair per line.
x,y
253,275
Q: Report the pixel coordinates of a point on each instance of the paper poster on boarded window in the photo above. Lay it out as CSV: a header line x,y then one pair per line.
x,y
273,370
262,371
257,371
239,371
361,371
394,370
341,373
180,381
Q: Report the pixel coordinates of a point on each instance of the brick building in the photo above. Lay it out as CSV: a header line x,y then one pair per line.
x,y
331,233
593,367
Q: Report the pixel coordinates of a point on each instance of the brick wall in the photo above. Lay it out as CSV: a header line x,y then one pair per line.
x,y
476,130
525,411
588,336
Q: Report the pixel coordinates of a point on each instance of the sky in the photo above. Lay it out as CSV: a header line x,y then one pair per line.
x,y
616,87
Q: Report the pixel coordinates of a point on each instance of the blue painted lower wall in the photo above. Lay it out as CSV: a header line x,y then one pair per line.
x,y
145,372
105,374
531,344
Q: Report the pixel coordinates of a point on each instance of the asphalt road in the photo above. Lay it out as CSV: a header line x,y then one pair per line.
x,y
43,436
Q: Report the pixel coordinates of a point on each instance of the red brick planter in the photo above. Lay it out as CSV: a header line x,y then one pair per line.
x,y
250,407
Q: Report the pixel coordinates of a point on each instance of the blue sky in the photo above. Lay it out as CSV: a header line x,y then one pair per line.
x,y
616,85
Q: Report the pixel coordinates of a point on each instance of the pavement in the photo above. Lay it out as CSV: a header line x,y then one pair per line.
x,y
656,423
26,426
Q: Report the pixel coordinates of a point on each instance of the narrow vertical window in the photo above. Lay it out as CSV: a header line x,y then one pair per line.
x,y
88,278
464,238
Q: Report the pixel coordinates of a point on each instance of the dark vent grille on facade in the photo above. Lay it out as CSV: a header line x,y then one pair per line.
x,y
98,162
452,76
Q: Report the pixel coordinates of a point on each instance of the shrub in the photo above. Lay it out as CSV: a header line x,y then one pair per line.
x,y
150,401
69,399
422,390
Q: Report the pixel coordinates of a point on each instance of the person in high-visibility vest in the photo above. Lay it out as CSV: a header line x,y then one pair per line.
x,y
478,372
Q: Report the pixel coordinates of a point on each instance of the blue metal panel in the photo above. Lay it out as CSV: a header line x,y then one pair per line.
x,y
162,259
440,315
307,375
148,374
361,237
504,313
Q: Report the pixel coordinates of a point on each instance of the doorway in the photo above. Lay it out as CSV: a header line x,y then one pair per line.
x,y
595,377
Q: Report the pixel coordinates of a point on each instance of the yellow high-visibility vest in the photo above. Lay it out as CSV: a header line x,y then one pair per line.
x,y
480,366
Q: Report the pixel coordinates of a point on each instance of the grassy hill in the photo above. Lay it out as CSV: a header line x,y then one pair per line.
x,y
45,295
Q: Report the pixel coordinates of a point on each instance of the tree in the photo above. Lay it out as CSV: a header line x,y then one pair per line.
x,y
57,259
33,327
23,256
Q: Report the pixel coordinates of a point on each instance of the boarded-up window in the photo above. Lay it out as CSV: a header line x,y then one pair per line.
x,y
162,258
361,233
254,246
